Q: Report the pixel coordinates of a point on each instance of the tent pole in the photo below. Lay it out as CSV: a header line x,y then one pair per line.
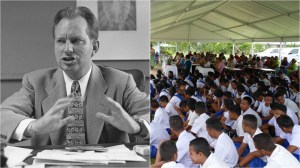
x,y
158,47
252,52
233,48
280,50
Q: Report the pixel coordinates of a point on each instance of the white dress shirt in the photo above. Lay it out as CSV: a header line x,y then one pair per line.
x,y
193,117
214,162
238,126
18,133
263,109
170,106
228,121
249,141
182,145
158,133
161,116
291,104
251,111
294,138
282,158
225,150
199,128
172,164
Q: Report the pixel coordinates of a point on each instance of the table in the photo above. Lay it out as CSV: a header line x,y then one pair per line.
x,y
204,70
172,68
233,69
37,149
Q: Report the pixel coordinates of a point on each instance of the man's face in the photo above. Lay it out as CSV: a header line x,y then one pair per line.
x,y
231,116
195,157
278,113
233,85
268,100
181,89
163,104
244,105
73,47
280,99
185,109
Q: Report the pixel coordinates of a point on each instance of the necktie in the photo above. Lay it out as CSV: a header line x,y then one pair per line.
x,y
76,130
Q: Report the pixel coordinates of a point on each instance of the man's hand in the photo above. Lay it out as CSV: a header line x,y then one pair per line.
x,y
52,120
119,118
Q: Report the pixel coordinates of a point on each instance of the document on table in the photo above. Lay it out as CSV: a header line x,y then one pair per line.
x,y
16,155
114,154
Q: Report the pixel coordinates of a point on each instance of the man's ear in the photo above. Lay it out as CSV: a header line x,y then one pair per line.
x,y
95,47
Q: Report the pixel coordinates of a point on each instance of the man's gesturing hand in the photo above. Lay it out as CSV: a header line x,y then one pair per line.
x,y
52,120
119,118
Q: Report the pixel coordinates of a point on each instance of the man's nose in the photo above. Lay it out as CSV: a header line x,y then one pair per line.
x,y
68,48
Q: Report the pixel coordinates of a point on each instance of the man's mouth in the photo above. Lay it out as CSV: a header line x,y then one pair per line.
x,y
68,58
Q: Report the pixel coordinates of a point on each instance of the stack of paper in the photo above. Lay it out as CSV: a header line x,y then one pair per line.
x,y
114,154
16,155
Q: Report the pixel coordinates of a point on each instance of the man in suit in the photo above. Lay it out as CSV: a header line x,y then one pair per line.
x,y
112,105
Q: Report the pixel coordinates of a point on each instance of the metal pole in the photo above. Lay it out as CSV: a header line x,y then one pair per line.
x,y
158,47
252,52
233,48
280,50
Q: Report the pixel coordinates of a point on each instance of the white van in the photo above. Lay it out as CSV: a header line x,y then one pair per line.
x,y
272,52
294,54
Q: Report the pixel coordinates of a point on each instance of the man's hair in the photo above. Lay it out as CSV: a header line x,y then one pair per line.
x,y
235,109
201,145
164,98
154,104
250,120
84,12
228,103
227,94
240,88
190,91
214,124
285,121
248,99
264,141
167,150
183,103
191,103
176,123
277,106
268,95
278,94
200,107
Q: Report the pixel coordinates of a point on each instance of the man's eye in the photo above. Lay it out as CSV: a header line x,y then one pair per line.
x,y
61,41
77,41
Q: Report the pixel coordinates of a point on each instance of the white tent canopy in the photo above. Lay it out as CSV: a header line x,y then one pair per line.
x,y
225,21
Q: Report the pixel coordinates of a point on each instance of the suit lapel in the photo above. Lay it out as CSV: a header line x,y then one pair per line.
x,y
95,102
55,90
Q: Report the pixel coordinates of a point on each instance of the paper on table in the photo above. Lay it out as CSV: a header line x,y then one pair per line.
x,y
15,155
115,154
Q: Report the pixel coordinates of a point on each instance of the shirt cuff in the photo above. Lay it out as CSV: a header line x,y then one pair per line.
x,y
19,131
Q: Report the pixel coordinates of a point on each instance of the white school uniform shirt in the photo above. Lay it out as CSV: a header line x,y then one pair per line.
x,y
249,141
266,81
200,83
182,145
291,104
173,102
199,128
246,88
193,117
233,92
225,150
158,133
282,158
228,121
253,88
238,126
214,162
244,94
161,116
251,111
172,164
294,138
263,109
278,130
297,97
257,103
165,93
196,98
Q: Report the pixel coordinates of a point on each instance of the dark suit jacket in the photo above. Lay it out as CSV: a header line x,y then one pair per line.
x,y
42,88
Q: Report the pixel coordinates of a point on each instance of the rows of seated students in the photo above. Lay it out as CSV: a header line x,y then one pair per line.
x,y
236,119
